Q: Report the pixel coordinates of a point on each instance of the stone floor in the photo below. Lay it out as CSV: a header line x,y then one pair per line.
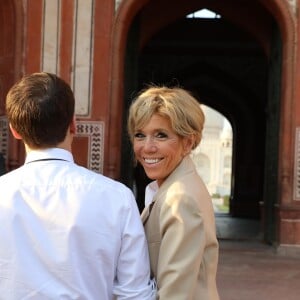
x,y
251,270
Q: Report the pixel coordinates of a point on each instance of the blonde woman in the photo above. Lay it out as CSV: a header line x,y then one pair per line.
x,y
164,125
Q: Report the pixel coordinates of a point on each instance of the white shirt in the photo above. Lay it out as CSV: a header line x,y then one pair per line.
x,y
69,233
150,191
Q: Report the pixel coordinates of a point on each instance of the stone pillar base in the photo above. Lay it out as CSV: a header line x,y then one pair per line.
x,y
288,250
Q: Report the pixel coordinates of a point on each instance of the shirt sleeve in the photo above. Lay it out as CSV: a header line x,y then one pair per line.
x,y
133,269
182,248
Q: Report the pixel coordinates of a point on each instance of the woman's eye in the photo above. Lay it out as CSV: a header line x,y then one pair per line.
x,y
139,135
161,135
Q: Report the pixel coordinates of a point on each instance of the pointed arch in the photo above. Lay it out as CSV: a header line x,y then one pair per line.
x,y
281,11
123,19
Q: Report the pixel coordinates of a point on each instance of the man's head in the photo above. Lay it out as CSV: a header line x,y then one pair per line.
x,y
40,109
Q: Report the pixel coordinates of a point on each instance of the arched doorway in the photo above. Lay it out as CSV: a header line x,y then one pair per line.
x,y
213,158
233,64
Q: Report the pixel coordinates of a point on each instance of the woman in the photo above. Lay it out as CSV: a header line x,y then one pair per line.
x,y
164,125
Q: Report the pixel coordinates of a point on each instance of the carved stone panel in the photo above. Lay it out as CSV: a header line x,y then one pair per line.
x,y
3,136
93,133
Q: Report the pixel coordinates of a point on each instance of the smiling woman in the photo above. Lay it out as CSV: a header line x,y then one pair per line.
x,y
165,125
159,149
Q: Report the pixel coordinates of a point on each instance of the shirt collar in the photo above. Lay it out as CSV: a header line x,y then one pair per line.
x,y
50,153
151,190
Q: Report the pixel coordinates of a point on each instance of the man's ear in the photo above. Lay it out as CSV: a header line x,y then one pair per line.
x,y
15,133
73,126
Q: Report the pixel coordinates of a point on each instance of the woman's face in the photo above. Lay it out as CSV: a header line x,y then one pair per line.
x,y
159,149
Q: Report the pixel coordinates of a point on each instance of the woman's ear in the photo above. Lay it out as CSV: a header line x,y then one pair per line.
x,y
188,143
15,133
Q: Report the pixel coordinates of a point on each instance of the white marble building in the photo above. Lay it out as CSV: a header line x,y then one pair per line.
x,y
213,157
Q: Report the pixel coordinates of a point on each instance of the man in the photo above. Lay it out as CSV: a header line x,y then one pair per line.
x,y
67,232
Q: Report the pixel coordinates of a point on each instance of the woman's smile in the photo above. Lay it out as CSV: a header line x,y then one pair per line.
x,y
152,160
158,148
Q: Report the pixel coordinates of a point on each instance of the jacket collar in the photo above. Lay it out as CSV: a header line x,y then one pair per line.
x,y
186,166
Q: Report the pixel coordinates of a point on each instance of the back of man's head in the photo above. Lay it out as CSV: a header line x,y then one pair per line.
x,y
40,108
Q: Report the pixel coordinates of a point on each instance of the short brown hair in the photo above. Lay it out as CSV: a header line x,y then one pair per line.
x,y
40,107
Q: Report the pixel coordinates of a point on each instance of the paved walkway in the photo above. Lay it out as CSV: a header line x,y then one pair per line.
x,y
251,270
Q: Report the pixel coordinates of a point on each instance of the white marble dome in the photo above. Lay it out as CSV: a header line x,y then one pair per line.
x,y
213,119
226,133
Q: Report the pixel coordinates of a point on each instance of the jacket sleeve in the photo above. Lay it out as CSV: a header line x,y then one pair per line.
x,y
182,247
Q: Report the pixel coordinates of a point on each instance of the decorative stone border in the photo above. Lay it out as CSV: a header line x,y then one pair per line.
x,y
4,136
94,131
297,166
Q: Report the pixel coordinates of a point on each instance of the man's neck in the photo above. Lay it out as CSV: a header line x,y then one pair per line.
x,y
66,145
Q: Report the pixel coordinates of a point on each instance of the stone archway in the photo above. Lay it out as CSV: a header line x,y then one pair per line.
x,y
284,16
129,9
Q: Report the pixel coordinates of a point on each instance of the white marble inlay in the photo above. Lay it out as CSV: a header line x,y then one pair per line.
x,y
50,36
82,59
293,4
117,3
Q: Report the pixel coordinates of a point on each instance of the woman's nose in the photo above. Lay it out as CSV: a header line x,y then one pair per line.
x,y
150,144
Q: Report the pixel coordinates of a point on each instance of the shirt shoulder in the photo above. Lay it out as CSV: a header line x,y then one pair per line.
x,y
99,182
10,176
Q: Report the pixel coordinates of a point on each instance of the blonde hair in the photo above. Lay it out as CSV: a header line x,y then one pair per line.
x,y
176,104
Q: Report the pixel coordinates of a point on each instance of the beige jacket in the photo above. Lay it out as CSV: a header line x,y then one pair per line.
x,y
181,236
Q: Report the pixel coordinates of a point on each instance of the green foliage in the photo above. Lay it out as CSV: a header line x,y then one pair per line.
x,y
226,200
216,195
